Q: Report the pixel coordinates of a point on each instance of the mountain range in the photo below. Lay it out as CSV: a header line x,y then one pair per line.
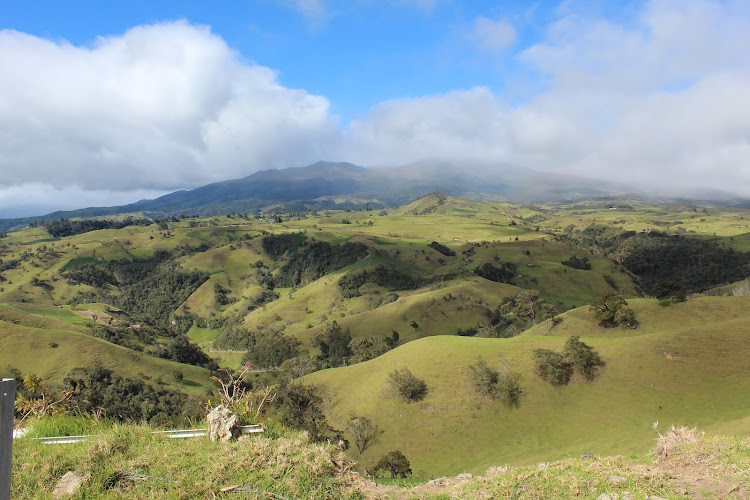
x,y
341,185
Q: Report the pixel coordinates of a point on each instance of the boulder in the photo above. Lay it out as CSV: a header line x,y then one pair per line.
x,y
222,424
68,484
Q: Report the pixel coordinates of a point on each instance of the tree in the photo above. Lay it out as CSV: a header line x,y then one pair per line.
x,y
553,367
668,290
610,309
299,406
408,385
364,432
526,303
394,462
585,358
334,345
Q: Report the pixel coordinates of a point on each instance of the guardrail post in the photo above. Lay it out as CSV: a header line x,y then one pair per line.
x,y
7,409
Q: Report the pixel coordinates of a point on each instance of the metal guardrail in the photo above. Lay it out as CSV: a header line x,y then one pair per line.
x,y
180,433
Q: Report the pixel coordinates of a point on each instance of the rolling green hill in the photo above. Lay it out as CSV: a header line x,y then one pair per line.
x,y
686,364
50,342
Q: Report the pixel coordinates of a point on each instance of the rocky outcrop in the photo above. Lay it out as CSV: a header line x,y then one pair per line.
x,y
222,424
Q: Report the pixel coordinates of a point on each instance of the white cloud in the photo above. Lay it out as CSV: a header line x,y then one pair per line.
x,y
454,125
663,100
494,35
162,106
37,198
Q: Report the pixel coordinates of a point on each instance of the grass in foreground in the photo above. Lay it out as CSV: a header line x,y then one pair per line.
x,y
127,461
684,463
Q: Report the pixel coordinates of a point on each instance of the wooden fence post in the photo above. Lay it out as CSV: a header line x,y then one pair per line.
x,y
7,409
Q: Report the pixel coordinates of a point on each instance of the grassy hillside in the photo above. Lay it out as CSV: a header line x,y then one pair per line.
x,y
50,342
686,364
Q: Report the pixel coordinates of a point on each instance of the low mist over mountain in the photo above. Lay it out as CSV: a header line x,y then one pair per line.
x,y
330,185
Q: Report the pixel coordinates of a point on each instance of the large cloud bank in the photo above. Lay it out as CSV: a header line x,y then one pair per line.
x,y
161,107
663,100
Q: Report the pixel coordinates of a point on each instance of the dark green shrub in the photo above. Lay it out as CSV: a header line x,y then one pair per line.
x,y
553,366
500,383
584,358
408,385
299,406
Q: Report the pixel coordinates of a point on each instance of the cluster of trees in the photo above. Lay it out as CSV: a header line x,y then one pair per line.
x,y
319,259
276,245
65,227
442,249
527,305
180,349
576,263
390,279
506,273
557,368
222,295
695,264
90,274
124,398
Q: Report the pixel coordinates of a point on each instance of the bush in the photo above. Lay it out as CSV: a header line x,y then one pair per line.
x,y
484,378
583,357
408,385
298,406
500,384
553,367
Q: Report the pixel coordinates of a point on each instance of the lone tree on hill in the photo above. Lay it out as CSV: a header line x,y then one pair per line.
x,y
394,462
611,310
408,385
364,431
669,290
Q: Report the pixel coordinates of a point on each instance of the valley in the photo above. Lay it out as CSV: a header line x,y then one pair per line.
x,y
339,299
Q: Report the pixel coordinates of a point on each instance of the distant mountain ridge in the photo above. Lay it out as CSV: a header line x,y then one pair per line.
x,y
331,185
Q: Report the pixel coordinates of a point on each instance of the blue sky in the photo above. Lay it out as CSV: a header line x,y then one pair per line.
x,y
169,95
355,53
